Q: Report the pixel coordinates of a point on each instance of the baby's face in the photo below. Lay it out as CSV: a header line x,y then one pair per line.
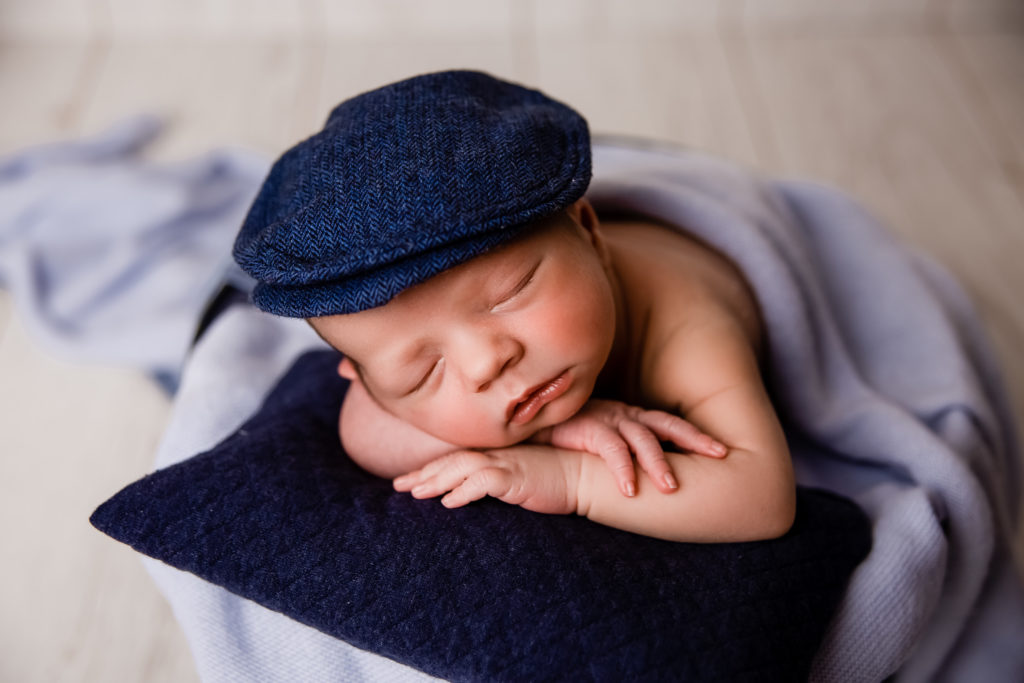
x,y
491,351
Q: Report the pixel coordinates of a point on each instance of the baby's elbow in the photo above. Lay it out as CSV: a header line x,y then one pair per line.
x,y
780,520
763,505
775,517
771,489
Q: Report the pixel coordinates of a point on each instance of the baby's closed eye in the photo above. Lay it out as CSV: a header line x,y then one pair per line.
x,y
434,369
519,286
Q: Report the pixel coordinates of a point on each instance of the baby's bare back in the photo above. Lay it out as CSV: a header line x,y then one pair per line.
x,y
679,294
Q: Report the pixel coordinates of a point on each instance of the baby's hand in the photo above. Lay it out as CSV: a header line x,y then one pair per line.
x,y
530,476
615,431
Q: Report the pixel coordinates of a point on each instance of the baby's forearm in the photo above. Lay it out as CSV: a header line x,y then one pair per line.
x,y
742,497
381,443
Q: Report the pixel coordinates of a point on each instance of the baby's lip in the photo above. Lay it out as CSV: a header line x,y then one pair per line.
x,y
524,408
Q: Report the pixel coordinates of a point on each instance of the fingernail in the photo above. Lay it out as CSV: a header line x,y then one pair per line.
x,y
630,489
670,481
720,449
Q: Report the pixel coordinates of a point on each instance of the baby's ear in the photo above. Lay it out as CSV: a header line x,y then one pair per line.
x,y
347,369
582,212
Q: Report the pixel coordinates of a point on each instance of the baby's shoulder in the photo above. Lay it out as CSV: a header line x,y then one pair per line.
x,y
690,311
678,284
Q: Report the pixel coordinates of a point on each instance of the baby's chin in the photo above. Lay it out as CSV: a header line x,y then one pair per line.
x,y
501,436
504,435
477,441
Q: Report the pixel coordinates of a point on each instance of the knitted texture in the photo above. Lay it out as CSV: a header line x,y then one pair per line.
x,y
489,592
404,182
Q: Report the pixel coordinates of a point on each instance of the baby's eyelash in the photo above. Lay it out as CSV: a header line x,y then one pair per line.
x,y
520,286
426,376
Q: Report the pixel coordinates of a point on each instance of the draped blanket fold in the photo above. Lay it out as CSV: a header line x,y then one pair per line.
x,y
110,256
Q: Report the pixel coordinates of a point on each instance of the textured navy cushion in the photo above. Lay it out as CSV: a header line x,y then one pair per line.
x,y
278,514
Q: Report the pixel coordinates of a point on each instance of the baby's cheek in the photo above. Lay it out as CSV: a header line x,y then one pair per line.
x,y
577,321
464,428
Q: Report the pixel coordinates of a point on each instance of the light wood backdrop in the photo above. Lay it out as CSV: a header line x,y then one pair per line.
x,y
916,107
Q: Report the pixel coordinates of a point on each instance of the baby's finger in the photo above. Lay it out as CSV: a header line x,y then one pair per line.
x,y
442,474
613,449
490,481
650,455
406,481
682,433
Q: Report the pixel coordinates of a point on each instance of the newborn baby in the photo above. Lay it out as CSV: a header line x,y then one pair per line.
x,y
502,339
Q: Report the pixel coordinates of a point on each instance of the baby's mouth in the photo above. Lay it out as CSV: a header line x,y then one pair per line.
x,y
527,407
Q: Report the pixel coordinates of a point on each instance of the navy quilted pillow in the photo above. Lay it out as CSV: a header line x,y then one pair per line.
x,y
276,513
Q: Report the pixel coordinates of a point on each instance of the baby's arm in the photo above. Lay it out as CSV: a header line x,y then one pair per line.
x,y
709,373
379,442
617,431
555,481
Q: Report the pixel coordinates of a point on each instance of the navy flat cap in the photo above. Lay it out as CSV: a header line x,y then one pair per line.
x,y
404,182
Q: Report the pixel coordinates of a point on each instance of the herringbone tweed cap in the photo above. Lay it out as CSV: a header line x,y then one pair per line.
x,y
404,182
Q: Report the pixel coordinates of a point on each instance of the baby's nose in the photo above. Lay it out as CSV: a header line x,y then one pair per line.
x,y
486,358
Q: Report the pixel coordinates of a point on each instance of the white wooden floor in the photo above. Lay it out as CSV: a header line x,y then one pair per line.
x,y
914,106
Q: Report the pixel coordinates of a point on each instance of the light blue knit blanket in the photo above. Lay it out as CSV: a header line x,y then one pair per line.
x,y
110,257
886,384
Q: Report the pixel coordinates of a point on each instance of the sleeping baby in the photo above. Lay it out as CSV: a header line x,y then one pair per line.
x,y
501,338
